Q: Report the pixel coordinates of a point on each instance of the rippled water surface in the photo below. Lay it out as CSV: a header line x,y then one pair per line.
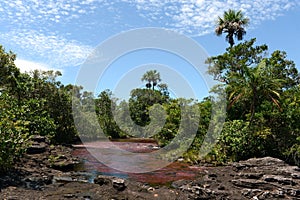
x,y
165,175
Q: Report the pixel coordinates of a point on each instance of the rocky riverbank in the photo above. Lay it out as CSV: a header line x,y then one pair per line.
x,y
46,172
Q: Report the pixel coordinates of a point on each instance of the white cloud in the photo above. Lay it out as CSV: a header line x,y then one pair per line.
x,y
29,12
51,49
27,66
187,16
51,31
197,17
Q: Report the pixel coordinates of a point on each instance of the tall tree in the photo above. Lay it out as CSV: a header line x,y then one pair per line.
x,y
9,73
251,78
255,85
232,23
152,78
105,105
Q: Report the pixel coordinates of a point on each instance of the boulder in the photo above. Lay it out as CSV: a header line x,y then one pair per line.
x,y
119,184
103,180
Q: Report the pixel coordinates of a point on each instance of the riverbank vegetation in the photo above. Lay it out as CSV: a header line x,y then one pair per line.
x,y
262,95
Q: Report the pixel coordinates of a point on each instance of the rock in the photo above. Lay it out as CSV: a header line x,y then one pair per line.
x,y
70,196
252,184
278,179
151,189
38,139
251,192
102,180
266,161
212,175
295,176
36,148
119,184
251,175
65,165
62,179
295,193
38,145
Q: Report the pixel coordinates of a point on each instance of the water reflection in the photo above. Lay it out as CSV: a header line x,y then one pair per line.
x,y
172,172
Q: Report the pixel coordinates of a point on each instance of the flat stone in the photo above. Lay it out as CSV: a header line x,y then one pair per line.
x,y
278,179
251,175
65,165
251,192
62,179
36,148
38,138
266,161
252,184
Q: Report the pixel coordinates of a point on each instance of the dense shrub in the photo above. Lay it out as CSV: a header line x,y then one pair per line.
x,y
14,133
241,140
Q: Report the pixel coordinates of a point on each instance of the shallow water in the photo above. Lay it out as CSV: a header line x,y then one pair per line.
x,y
124,164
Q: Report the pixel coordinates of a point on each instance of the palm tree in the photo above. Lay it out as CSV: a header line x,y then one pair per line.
x,y
233,24
255,84
152,77
163,88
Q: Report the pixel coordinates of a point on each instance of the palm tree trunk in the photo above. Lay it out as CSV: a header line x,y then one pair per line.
x,y
230,40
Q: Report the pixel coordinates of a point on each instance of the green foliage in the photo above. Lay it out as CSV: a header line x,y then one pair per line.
x,y
263,103
240,141
140,102
171,126
152,78
293,153
263,110
232,23
13,132
8,71
104,109
205,108
55,101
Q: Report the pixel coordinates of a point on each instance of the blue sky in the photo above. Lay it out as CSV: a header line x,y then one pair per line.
x,y
61,34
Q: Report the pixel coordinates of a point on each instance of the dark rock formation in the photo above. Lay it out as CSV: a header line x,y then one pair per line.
x,y
261,178
44,173
38,145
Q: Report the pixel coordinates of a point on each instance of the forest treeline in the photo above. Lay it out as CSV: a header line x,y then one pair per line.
x,y
262,106
262,116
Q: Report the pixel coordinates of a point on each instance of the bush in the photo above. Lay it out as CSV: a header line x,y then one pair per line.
x,y
293,153
241,140
13,133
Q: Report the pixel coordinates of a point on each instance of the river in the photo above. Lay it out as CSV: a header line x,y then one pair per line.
x,y
172,172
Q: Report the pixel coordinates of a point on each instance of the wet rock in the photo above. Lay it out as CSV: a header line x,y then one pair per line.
x,y
65,165
119,184
102,180
62,179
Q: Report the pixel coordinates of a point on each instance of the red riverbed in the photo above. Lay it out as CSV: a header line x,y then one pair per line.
x,y
172,172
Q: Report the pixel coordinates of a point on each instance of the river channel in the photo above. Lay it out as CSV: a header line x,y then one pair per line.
x,y
93,165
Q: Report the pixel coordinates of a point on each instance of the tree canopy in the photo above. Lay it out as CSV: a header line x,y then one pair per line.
x,y
233,24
